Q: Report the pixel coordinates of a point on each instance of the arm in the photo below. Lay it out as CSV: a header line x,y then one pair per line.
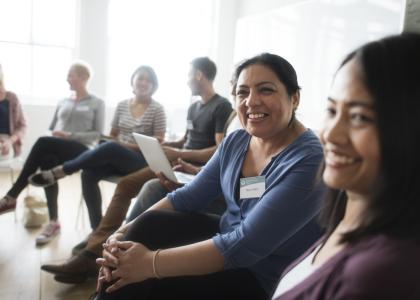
x,y
176,144
133,262
193,155
177,261
19,125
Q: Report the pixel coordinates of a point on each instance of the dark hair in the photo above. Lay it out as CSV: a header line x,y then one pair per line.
x,y
152,76
391,73
206,66
281,67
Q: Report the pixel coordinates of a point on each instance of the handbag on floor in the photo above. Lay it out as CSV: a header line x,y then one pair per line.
x,y
35,212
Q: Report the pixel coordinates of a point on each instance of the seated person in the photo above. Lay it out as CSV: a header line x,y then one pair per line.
x,y
77,124
12,126
206,119
267,176
119,156
371,246
157,188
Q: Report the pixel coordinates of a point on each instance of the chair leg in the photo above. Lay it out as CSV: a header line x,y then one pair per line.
x,y
80,217
12,180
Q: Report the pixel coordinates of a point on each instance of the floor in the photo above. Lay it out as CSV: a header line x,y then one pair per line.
x,y
20,260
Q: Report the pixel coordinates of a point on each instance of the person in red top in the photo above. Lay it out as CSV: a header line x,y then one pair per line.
x,y
370,138
12,122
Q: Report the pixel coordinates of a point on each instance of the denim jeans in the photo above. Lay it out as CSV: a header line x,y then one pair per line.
x,y
107,159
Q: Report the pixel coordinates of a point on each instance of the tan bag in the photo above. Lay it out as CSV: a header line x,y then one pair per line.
x,y
35,212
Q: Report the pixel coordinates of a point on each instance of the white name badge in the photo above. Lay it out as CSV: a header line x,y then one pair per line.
x,y
252,187
190,125
82,108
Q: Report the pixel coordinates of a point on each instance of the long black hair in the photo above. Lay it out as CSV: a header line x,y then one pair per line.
x,y
391,73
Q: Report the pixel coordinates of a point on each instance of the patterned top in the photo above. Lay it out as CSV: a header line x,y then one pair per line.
x,y
152,122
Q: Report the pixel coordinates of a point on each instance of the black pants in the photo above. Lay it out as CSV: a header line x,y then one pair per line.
x,y
47,153
165,229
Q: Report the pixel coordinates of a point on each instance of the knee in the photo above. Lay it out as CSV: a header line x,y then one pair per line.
x,y
43,141
146,223
90,176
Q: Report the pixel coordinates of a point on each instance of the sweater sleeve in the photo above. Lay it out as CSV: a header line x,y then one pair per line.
x,y
205,188
19,123
290,202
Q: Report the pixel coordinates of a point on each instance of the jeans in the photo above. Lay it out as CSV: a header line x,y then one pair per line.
x,y
152,191
45,154
107,159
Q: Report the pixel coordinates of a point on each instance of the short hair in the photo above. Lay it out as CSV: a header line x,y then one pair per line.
x,y
280,66
206,66
82,69
152,76
390,71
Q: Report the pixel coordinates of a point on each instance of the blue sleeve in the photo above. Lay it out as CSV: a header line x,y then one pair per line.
x,y
290,202
204,189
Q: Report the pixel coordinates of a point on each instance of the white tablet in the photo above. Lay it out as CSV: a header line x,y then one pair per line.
x,y
157,160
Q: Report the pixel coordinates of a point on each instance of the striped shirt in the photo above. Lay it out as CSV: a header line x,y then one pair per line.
x,y
152,122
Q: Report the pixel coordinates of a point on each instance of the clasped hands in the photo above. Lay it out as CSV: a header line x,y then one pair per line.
x,y
123,262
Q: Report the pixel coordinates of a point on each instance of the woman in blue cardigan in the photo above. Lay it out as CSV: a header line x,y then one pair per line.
x,y
371,249
267,176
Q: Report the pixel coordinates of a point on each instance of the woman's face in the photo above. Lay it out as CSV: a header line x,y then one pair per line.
x,y
263,105
350,136
75,80
142,84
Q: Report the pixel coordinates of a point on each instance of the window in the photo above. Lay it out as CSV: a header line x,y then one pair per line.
x,y
166,35
314,36
37,45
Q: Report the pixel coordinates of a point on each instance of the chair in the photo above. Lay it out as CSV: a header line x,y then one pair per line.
x,y
10,165
80,211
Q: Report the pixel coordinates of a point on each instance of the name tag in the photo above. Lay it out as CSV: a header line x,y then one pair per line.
x,y
190,125
82,108
252,187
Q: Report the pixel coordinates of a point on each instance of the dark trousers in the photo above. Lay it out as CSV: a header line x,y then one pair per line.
x,y
47,153
107,159
165,229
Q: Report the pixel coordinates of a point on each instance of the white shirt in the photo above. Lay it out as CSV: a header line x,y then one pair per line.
x,y
296,275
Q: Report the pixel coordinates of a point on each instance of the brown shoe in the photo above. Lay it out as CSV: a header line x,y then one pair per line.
x,y
80,266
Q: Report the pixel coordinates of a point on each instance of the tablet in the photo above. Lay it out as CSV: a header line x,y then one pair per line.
x,y
157,160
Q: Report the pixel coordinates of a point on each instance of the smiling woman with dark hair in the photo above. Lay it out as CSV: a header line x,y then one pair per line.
x,y
372,245
267,175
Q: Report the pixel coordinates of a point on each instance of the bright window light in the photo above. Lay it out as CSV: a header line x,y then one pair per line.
x,y
164,34
37,45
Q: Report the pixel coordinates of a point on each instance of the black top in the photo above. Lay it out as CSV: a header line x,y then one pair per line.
x,y
204,120
4,117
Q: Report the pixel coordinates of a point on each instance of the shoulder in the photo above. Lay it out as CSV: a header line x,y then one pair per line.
x,y
96,99
234,140
12,97
306,146
221,102
123,104
156,105
383,263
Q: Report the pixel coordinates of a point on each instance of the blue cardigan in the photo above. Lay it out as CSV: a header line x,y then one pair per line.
x,y
262,234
